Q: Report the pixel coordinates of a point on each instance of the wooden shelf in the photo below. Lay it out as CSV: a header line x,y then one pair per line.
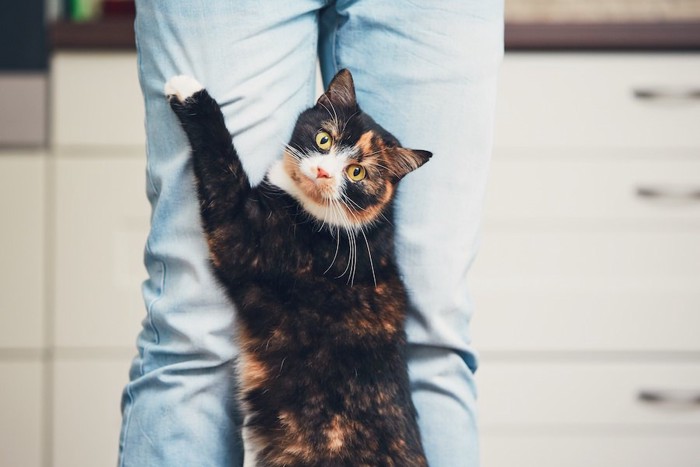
x,y
603,36
112,34
119,34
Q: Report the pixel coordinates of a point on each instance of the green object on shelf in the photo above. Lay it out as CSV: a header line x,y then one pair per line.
x,y
83,10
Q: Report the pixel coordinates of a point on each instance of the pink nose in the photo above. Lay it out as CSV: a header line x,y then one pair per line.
x,y
320,173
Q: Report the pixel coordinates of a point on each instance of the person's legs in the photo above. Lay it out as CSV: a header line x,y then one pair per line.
x,y
258,60
426,71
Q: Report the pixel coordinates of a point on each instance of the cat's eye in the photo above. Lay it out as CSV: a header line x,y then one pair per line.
x,y
356,172
323,140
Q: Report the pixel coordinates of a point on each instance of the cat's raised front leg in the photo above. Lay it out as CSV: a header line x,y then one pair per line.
x,y
222,184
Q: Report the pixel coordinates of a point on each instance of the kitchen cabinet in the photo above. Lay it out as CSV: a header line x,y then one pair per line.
x,y
587,285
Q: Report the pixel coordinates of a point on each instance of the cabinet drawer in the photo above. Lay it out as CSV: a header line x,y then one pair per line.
x,y
584,394
96,99
569,290
101,228
595,449
589,100
615,187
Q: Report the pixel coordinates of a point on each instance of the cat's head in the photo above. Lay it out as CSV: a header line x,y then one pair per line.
x,y
340,164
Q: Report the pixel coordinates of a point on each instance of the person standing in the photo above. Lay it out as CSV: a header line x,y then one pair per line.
x,y
426,71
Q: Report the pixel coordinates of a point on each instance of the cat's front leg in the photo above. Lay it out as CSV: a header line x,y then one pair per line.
x,y
182,87
222,183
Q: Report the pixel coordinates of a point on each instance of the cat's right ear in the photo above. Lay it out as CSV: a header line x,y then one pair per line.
x,y
405,161
340,92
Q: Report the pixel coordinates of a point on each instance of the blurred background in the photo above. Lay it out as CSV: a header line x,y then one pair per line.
x,y
587,286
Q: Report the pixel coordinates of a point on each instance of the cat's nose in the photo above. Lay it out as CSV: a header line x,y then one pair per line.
x,y
320,173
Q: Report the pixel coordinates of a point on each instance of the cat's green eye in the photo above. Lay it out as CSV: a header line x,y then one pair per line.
x,y
356,172
323,140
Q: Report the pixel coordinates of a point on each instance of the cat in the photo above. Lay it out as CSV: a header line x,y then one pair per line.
x,y
307,257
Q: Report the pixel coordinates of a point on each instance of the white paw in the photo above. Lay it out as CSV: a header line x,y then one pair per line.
x,y
182,87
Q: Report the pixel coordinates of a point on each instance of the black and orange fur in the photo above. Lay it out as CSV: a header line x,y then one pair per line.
x,y
322,374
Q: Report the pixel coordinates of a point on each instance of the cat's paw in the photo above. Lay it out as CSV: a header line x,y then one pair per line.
x,y
182,87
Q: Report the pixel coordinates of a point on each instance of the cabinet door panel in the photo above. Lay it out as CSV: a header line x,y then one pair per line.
x,y
605,188
96,99
584,394
572,290
101,228
605,449
598,100
21,408
22,253
86,414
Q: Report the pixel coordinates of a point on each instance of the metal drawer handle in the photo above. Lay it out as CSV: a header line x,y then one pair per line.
x,y
667,93
677,193
676,397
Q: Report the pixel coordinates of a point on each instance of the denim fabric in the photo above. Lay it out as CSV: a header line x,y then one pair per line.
x,y
424,70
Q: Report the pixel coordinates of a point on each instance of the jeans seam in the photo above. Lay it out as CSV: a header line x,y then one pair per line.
x,y
139,66
334,52
127,422
149,310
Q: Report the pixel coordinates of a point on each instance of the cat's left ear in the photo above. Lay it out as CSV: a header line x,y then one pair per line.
x,y
407,160
340,92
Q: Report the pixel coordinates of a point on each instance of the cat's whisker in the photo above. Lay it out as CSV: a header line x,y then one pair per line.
x,y
294,153
281,366
369,254
297,151
357,208
347,199
337,247
354,246
352,238
348,268
351,259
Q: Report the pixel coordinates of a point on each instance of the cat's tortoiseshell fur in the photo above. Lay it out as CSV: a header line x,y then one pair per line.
x,y
322,371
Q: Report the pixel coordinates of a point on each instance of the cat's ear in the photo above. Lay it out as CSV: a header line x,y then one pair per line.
x,y
340,93
407,160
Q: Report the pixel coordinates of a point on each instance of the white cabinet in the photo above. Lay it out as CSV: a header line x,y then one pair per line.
x,y
22,203
587,285
96,100
21,406
87,416
586,393
597,448
613,100
100,224
101,227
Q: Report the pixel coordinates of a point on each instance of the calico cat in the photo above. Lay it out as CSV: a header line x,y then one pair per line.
x,y
307,257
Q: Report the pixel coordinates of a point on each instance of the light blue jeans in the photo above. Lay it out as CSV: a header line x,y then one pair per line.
x,y
426,71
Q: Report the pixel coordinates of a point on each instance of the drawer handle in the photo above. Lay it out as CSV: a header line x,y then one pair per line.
x,y
676,397
667,93
688,194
